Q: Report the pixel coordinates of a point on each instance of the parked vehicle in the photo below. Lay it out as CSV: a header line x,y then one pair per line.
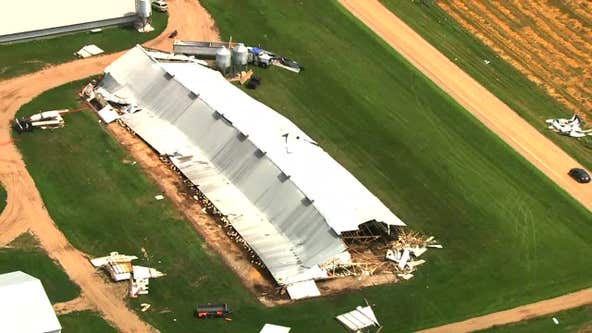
x,y
212,310
580,175
160,5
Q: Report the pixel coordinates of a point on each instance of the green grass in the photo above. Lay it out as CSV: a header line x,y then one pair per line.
x,y
499,77
26,57
84,322
510,235
2,199
23,254
574,320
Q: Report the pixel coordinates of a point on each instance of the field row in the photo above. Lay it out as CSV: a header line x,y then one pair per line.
x,y
548,41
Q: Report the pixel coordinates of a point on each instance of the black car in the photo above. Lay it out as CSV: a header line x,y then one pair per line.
x,y
580,175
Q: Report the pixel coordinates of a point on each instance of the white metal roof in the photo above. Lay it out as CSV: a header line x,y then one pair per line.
x,y
342,200
358,319
271,328
31,15
285,196
24,306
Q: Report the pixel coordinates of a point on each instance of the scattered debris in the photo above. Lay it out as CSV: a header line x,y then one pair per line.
x,y
89,51
120,268
200,49
43,120
108,114
242,77
569,127
144,307
262,58
159,197
303,289
373,254
359,320
212,310
253,82
271,328
172,57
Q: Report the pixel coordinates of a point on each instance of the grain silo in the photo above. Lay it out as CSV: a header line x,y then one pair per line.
x,y
223,58
240,55
144,11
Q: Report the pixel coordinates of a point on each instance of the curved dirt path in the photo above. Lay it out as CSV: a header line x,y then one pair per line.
x,y
499,118
538,309
25,209
492,112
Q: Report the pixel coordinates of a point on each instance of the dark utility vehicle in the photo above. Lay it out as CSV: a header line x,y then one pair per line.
x,y
212,310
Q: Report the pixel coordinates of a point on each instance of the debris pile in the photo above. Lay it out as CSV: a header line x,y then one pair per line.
x,y
374,254
120,268
43,120
569,127
89,51
405,251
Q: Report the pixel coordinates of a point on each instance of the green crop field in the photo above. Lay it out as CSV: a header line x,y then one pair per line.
x,y
26,57
24,255
84,322
510,235
574,320
499,77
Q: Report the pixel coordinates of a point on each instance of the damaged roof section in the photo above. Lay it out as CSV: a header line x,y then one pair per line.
x,y
283,194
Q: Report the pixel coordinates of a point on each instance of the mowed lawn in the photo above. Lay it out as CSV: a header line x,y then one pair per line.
x,y
84,321
30,56
499,77
510,236
574,320
23,254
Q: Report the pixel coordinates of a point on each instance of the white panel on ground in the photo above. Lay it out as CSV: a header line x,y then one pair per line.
x,y
303,289
270,328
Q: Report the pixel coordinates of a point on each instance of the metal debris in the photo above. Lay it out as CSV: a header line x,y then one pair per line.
x,y
89,51
120,268
569,127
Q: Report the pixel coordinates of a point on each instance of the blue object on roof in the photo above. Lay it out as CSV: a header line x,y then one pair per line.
x,y
255,50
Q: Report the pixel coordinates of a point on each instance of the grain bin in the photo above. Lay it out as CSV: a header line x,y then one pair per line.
x,y
223,60
144,9
240,55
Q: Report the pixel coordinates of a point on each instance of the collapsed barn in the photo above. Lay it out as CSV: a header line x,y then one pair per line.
x,y
285,196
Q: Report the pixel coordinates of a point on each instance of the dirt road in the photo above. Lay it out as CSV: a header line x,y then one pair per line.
x,y
25,209
491,111
498,117
520,313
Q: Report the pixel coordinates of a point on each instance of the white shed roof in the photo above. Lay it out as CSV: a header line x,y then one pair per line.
x,y
31,15
24,306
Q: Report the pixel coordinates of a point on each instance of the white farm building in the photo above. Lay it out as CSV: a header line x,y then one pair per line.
x,y
29,19
287,198
24,306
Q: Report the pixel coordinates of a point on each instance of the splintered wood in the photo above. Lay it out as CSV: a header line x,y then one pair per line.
x,y
373,254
